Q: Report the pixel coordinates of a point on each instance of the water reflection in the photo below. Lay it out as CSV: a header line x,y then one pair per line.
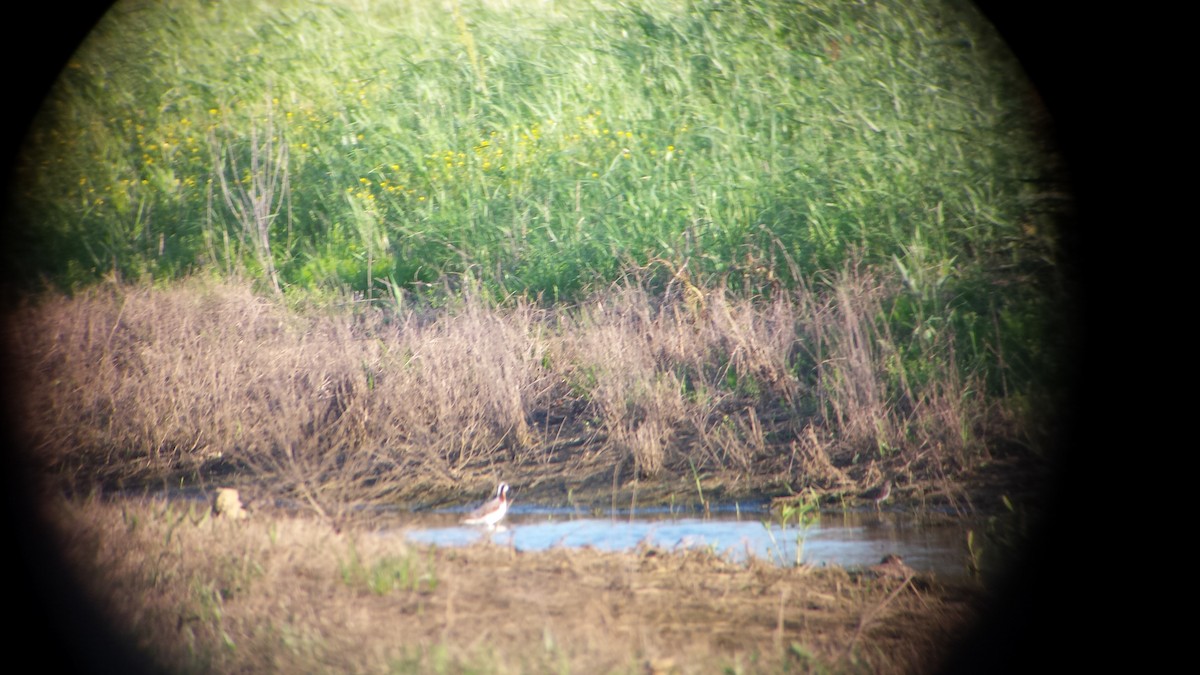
x,y
846,538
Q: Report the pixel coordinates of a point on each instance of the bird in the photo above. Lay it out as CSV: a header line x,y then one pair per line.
x,y
880,494
491,512
892,565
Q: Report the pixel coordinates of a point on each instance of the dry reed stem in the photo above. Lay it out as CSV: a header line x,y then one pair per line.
x,y
130,385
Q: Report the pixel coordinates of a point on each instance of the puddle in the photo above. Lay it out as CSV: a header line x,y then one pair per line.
x,y
845,538
848,538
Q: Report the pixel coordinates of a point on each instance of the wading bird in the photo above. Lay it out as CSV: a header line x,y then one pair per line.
x,y
880,494
492,511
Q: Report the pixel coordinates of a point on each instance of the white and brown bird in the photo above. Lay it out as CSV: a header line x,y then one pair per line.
x,y
492,511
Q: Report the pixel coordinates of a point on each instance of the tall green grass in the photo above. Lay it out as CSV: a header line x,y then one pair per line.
x,y
549,148
543,145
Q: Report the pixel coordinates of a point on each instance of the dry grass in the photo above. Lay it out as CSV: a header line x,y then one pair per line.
x,y
133,384
129,385
197,594
682,375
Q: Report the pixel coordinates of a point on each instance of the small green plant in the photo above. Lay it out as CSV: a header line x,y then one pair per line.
x,y
803,657
801,514
387,574
206,614
974,554
1005,534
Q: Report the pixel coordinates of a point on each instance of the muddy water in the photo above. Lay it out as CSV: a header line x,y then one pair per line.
x,y
845,538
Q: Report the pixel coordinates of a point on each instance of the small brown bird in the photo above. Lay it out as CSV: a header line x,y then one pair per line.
x,y
879,494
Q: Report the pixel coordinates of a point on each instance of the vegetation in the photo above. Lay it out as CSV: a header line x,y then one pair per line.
x,y
390,252
806,513
131,386
539,149
646,238
278,593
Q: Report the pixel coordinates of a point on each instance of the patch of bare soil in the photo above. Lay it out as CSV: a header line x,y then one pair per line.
x,y
197,593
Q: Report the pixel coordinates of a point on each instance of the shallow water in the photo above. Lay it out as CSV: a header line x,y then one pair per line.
x,y
845,538
852,538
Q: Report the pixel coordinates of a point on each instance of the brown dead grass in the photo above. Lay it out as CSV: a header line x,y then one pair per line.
x,y
128,385
197,594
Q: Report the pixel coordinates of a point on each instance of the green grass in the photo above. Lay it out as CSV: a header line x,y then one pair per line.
x,y
543,149
548,150
387,574
805,511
